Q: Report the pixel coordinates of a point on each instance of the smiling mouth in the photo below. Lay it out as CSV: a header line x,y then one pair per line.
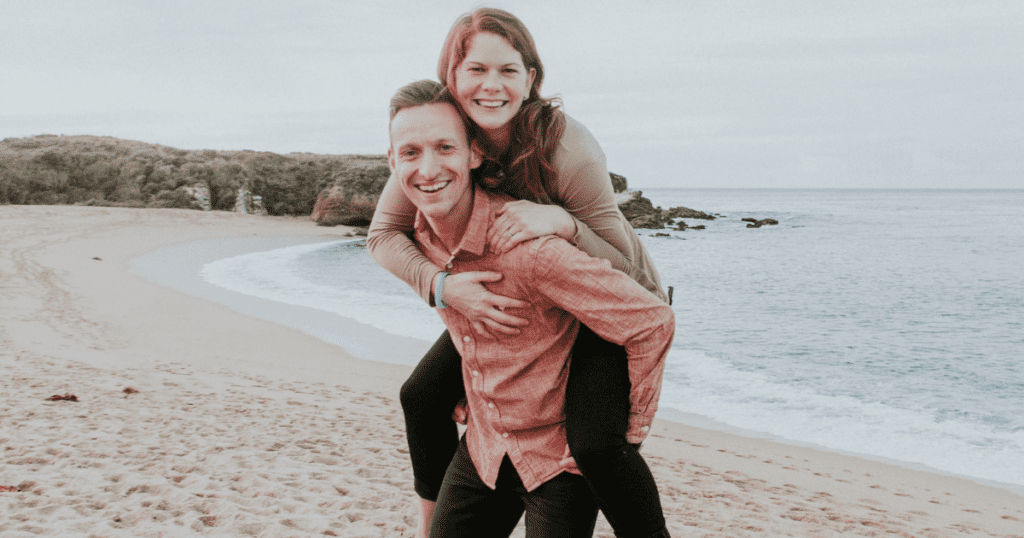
x,y
433,187
490,103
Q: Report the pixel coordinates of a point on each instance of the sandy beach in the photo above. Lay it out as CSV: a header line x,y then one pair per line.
x,y
179,416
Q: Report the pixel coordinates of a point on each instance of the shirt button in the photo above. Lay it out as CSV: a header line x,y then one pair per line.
x,y
466,339
645,429
449,266
504,435
490,404
475,373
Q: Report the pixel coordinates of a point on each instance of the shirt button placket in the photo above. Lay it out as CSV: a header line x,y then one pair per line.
x,y
470,352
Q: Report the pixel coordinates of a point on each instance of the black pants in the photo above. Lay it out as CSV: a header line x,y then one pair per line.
x,y
597,416
562,507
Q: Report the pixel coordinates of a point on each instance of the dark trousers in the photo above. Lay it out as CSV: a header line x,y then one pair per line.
x,y
597,415
467,508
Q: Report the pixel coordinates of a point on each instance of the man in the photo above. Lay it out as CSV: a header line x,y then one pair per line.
x,y
514,456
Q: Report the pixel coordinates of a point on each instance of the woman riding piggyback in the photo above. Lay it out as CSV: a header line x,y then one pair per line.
x,y
556,170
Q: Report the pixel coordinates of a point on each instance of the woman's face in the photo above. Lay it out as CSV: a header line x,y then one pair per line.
x,y
491,84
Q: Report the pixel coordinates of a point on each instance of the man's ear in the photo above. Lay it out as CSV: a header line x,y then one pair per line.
x,y
391,160
476,157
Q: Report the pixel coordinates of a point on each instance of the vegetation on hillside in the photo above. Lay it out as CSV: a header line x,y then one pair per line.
x,y
96,170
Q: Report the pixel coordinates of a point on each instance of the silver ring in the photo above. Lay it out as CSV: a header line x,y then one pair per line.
x,y
510,233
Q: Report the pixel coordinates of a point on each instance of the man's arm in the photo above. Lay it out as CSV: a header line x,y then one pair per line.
x,y
616,308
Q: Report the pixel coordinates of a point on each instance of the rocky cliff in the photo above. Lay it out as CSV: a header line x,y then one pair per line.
x,y
332,189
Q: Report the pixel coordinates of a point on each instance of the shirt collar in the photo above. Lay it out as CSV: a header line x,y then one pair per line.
x,y
473,244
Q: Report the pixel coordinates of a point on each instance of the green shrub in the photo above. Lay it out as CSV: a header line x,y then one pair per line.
x,y
49,169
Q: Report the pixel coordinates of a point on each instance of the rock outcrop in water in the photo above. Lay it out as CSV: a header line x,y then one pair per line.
x,y
754,223
642,214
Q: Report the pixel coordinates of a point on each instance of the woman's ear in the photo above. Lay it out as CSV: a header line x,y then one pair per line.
x,y
529,82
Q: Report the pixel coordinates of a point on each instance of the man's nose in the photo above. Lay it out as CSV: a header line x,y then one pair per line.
x,y
429,165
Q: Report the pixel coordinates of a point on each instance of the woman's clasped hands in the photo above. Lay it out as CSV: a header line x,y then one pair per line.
x,y
522,220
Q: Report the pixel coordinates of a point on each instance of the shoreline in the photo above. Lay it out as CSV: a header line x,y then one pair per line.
x,y
164,267
75,323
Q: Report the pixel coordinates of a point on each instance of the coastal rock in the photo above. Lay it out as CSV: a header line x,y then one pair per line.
x,y
754,223
618,183
642,214
352,196
247,202
687,213
200,192
647,222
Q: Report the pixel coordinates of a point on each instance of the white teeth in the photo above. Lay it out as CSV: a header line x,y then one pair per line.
x,y
433,188
490,104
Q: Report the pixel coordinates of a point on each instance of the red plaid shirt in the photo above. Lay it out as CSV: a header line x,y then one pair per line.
x,y
515,385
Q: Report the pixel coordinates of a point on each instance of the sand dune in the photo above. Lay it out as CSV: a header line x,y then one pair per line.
x,y
193,419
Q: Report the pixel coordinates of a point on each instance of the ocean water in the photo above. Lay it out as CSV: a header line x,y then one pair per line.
x,y
880,322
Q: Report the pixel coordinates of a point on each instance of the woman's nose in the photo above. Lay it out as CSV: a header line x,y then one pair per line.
x,y
491,81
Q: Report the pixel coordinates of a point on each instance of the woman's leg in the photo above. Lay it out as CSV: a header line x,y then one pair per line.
x,y
597,416
428,398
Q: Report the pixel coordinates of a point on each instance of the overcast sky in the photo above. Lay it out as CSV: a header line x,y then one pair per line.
x,y
712,93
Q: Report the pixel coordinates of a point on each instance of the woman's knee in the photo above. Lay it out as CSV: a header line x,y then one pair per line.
x,y
436,381
412,395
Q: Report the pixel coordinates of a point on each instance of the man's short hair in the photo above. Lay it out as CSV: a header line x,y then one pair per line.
x,y
421,92
428,92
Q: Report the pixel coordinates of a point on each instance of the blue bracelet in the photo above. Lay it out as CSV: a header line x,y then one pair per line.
x,y
439,289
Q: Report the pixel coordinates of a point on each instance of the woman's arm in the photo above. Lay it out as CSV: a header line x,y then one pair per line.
x,y
588,215
391,247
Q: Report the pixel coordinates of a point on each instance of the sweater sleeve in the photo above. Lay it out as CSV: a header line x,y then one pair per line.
x,y
391,246
584,189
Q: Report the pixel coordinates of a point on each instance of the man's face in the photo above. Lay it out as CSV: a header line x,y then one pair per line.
x,y
431,159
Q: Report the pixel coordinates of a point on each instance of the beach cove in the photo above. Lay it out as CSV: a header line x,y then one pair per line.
x,y
235,425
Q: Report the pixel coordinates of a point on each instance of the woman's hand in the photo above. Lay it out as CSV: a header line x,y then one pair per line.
x,y
522,220
466,293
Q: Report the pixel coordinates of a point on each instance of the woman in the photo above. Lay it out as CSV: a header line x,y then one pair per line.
x,y
556,169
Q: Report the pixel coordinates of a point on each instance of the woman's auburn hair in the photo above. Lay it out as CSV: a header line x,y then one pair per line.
x,y
540,123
